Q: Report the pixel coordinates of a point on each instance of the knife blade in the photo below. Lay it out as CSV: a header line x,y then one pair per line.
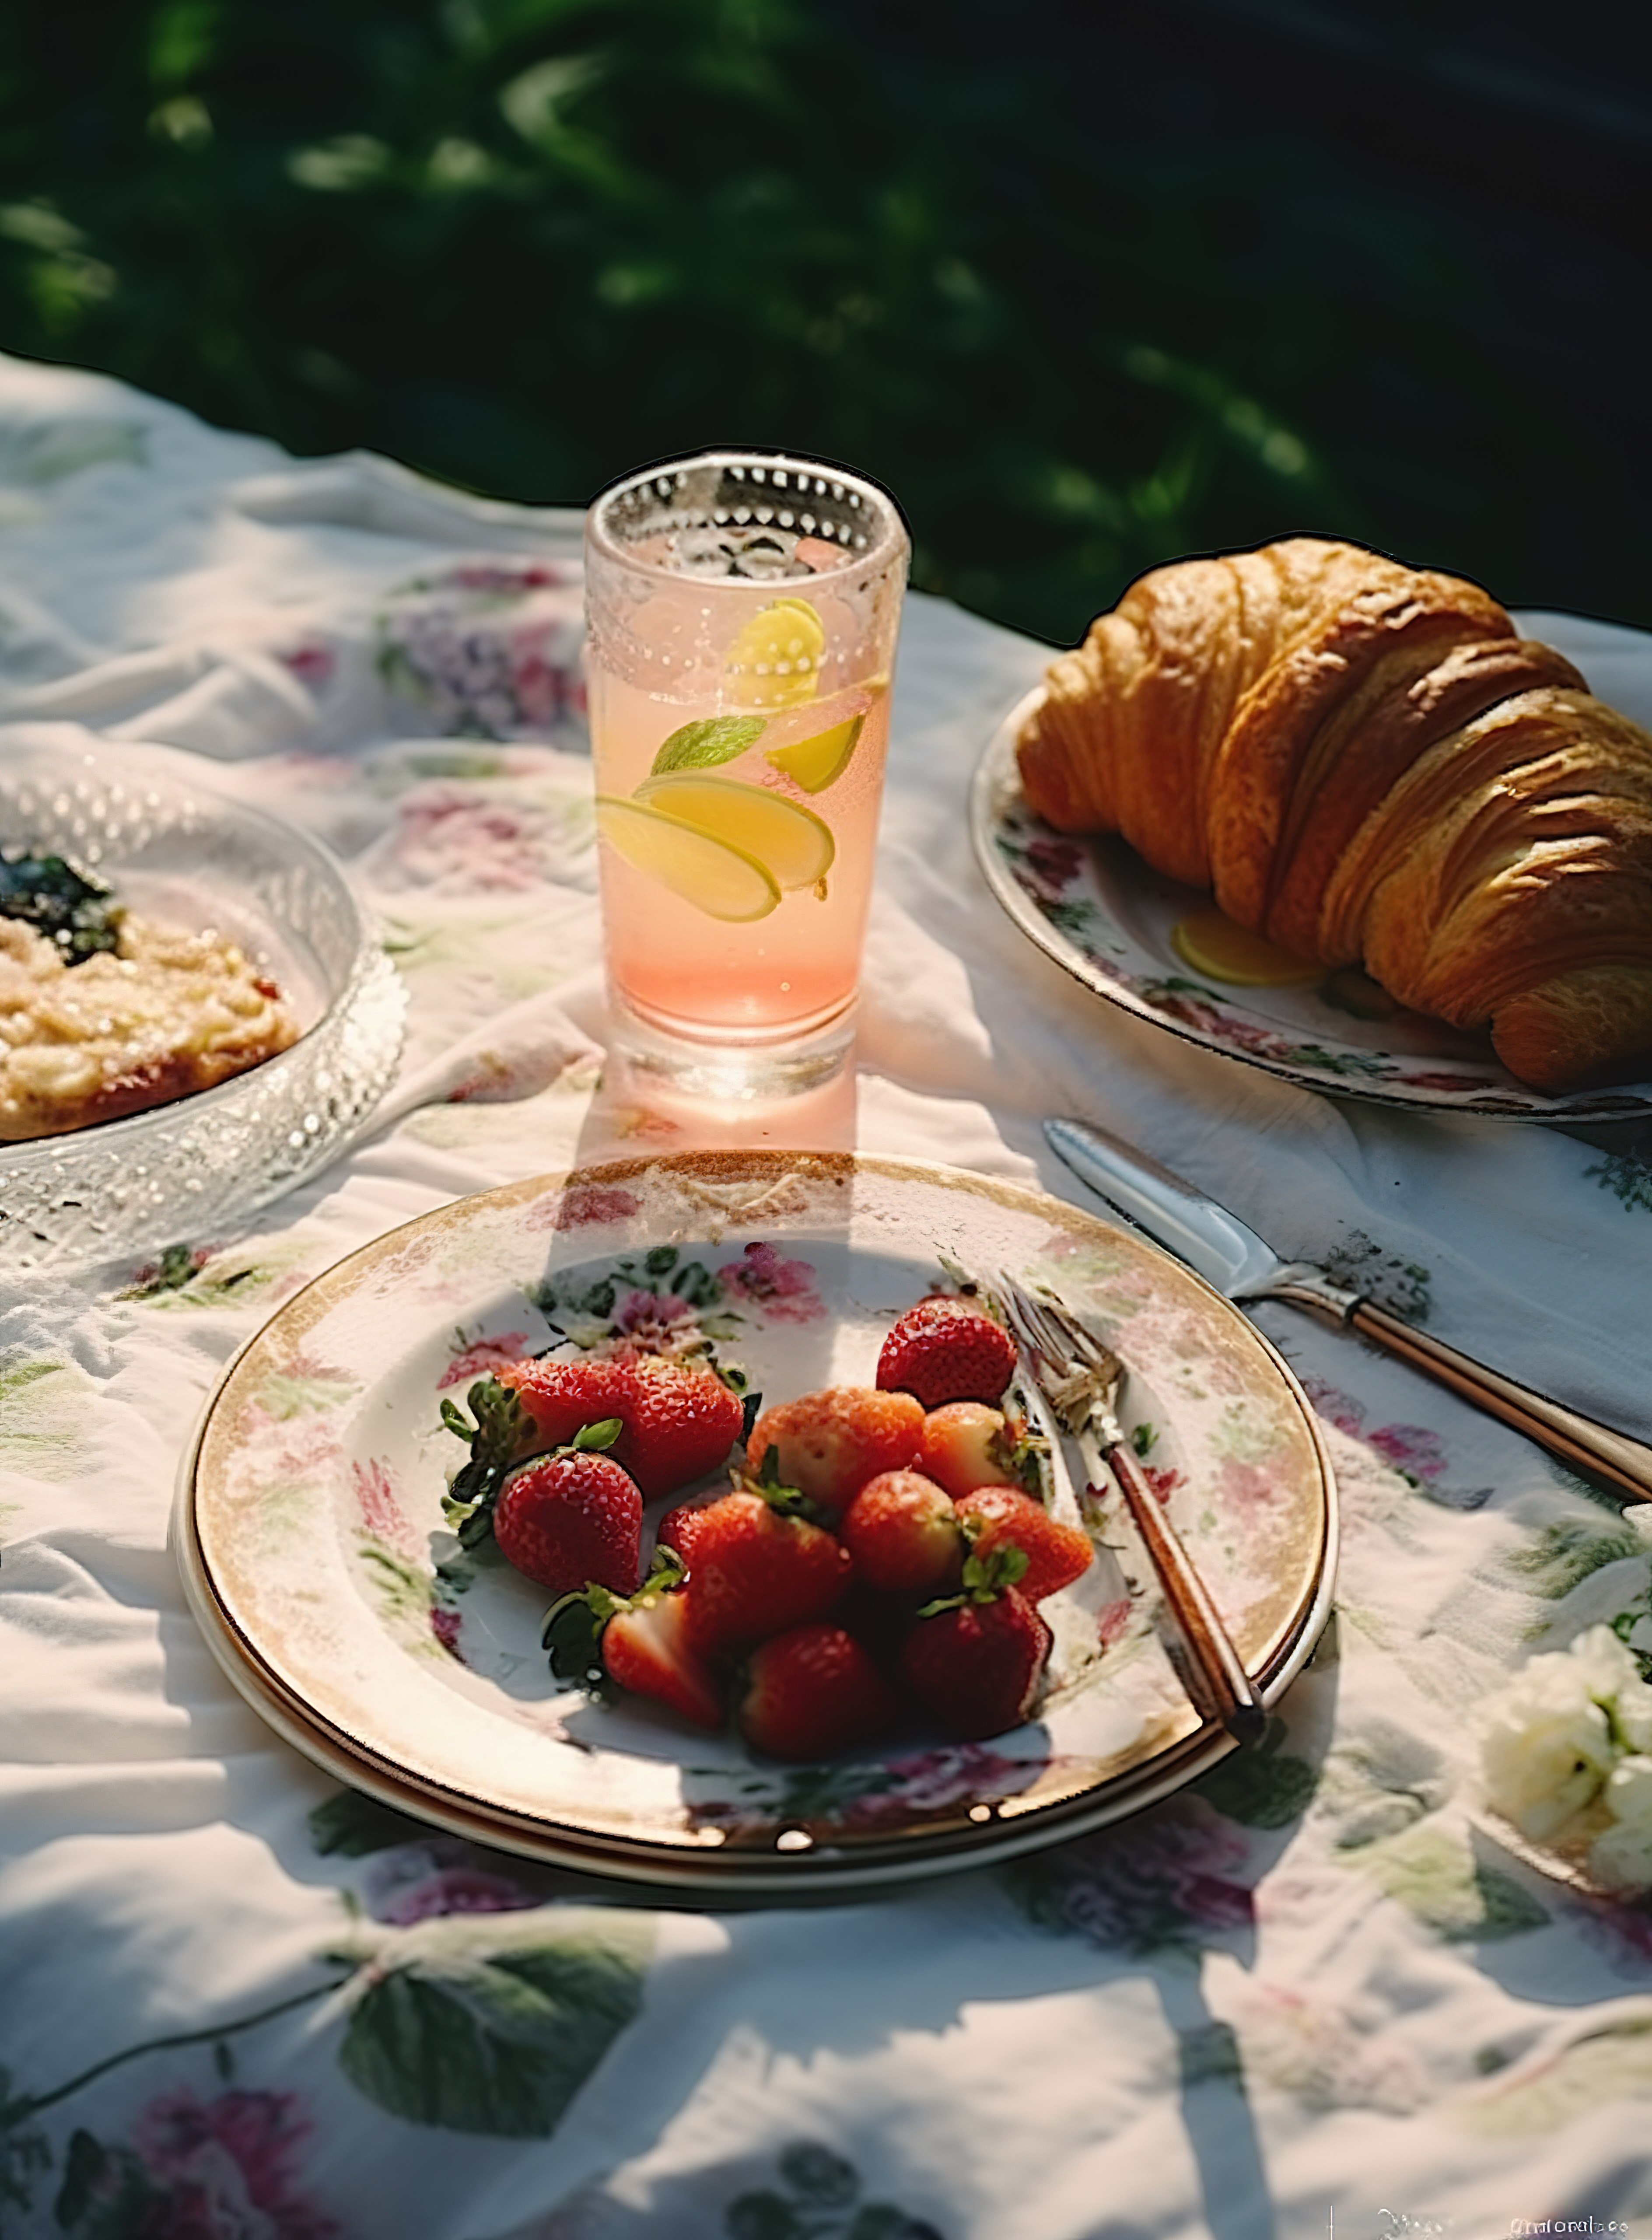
x,y
1231,1258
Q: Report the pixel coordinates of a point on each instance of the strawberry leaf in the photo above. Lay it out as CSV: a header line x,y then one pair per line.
x,y
986,1576
784,1500
502,1427
705,744
594,1436
573,1635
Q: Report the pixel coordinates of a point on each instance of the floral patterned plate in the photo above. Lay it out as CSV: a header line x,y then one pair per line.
x,y
1106,916
311,1531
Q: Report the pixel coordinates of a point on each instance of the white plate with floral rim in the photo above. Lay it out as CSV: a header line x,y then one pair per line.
x,y
1107,917
311,1531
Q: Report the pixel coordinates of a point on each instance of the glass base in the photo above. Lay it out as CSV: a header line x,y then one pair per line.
x,y
733,1072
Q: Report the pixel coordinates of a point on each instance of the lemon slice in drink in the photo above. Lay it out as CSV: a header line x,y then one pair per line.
x,y
723,880
774,660
792,844
820,761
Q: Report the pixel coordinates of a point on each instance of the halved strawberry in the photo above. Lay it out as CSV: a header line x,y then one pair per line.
x,y
640,1642
828,1443
977,1659
947,1349
811,1692
1000,1516
902,1531
574,1518
754,1569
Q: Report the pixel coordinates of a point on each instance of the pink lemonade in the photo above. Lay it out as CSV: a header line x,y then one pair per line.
x,y
786,973
743,615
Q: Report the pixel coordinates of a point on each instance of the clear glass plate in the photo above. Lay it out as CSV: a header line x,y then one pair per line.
x,y
173,849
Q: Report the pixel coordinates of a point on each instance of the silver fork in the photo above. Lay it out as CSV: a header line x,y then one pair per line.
x,y
1082,1379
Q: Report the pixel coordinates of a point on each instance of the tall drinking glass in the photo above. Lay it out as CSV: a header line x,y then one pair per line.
x,y
742,610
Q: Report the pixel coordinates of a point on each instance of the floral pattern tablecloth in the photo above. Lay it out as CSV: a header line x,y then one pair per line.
x,y
1311,1994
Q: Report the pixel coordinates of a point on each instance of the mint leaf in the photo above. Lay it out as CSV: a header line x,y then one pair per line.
x,y
703,745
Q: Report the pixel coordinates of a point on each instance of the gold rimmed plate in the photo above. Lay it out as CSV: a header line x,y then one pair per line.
x,y
310,1532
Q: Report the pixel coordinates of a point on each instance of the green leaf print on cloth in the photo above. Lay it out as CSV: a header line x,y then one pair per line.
x,y
46,1413
494,2025
820,2201
1540,2094
1436,1877
1264,1787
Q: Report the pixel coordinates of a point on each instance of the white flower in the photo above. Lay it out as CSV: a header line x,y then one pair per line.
x,y
1546,1742
1623,1856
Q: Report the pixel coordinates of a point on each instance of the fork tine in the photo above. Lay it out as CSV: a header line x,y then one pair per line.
x,y
1032,1325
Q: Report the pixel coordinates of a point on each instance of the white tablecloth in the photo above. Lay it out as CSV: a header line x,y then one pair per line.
x,y
1313,1990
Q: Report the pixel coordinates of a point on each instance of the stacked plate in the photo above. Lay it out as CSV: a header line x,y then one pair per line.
x,y
310,1529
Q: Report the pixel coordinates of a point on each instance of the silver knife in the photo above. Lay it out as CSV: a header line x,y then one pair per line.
x,y
1217,1246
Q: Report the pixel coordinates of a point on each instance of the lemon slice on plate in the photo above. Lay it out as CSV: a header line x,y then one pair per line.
x,y
791,843
1213,944
723,880
775,657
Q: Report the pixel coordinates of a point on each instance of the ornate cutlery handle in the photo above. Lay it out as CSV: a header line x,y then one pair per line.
x,y
1578,1440
1214,1674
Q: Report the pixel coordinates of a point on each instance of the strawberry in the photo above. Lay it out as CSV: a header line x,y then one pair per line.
x,y
680,1418
640,1642
572,1518
811,1692
902,1531
947,1349
1000,1516
966,1444
975,1659
828,1443
678,1526
754,1569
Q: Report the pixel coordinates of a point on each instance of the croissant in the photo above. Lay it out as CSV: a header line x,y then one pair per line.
x,y
1368,764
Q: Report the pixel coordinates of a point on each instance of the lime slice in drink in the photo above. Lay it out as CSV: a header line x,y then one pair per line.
x,y
723,880
792,844
774,660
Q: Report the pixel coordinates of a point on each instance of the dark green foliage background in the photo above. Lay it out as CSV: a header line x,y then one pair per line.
x,y
1087,291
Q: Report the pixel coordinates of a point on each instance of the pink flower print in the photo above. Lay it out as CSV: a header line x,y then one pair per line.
x,y
1174,1877
482,1358
462,840
1340,1409
1051,865
1415,1451
227,2168
941,1781
380,1512
448,1890
784,1288
1111,1620
501,581
585,1206
1246,1483
312,660
1162,1477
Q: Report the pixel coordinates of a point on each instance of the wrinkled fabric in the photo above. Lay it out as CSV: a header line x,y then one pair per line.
x,y
238,1999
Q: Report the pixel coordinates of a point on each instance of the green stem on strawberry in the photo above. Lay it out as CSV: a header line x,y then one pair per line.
x,y
767,1483
502,1435
985,1576
575,1623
